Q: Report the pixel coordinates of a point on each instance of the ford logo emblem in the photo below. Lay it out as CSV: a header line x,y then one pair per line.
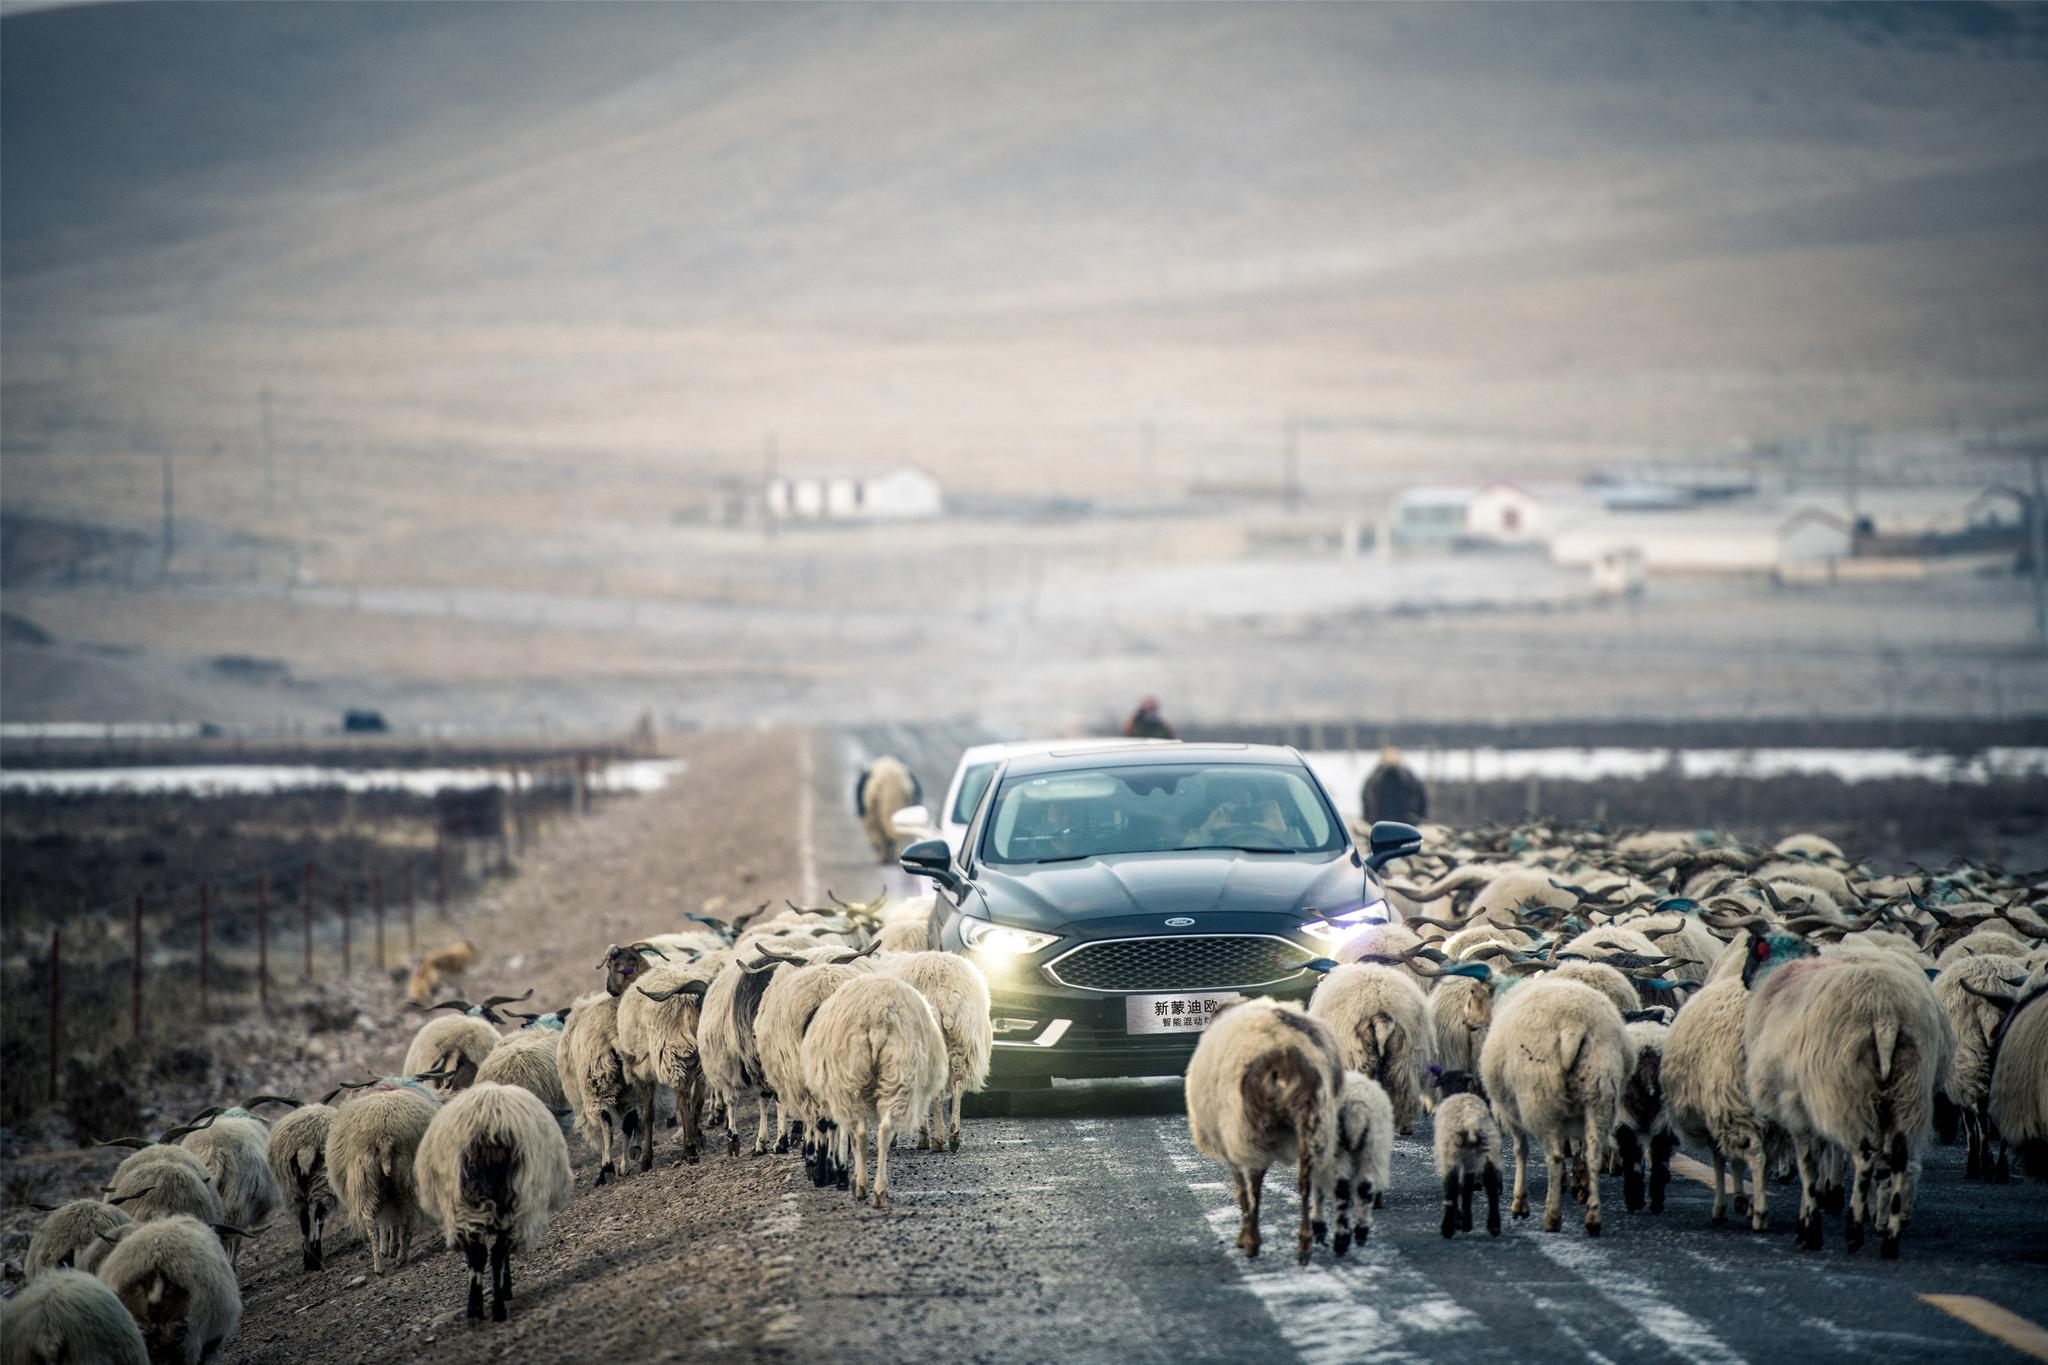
x,y
1179,922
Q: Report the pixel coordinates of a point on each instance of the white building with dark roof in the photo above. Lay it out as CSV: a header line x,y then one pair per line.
x,y
902,492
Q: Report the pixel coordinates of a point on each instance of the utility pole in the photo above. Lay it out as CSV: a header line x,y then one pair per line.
x,y
2040,550
170,535
269,457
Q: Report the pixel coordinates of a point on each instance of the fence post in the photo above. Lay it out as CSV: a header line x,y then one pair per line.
x,y
56,945
135,983
263,942
204,913
306,914
377,909
347,956
412,935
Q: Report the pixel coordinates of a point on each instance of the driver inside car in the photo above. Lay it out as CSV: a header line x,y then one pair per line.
x,y
1235,806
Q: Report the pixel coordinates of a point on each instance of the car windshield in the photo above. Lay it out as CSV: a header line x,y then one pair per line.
x,y
1158,808
973,783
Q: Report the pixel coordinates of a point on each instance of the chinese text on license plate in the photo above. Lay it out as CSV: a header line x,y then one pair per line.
x,y
1173,1013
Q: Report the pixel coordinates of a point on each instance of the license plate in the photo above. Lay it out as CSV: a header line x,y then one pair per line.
x,y
1174,1013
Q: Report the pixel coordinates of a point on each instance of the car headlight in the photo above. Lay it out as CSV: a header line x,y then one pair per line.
x,y
1336,928
1000,940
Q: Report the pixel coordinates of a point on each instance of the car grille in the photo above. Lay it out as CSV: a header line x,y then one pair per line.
x,y
1187,962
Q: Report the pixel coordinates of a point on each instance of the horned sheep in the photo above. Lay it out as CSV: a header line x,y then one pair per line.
x,y
658,1024
1706,1090
297,1154
173,1277
1974,994
788,1007
2019,1078
1379,1017
71,1238
593,1079
235,1150
958,994
450,1049
493,1168
370,1149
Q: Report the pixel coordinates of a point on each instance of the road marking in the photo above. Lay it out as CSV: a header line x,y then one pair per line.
x,y
1700,1171
806,810
2029,1338
1670,1326
779,1229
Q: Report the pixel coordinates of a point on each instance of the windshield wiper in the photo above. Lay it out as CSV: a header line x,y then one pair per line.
x,y
1240,848
1070,858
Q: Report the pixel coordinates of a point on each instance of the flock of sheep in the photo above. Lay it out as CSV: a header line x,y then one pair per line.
x,y
1607,1000
835,1015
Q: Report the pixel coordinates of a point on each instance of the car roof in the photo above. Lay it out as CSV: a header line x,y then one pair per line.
x,y
1137,753
1014,748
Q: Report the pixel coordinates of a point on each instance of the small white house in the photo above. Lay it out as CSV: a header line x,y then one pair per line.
x,y
1506,513
848,493
1431,517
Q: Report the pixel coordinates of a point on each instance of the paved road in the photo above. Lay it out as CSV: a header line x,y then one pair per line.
x,y
1085,1226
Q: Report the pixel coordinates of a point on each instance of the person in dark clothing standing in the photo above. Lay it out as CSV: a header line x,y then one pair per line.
x,y
1147,723
1394,792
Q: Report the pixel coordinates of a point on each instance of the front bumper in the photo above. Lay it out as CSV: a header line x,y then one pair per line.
x,y
1047,1030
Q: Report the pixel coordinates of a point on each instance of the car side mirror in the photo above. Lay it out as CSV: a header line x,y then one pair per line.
x,y
931,858
1390,839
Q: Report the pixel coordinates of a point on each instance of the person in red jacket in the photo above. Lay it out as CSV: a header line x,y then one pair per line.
x,y
1147,723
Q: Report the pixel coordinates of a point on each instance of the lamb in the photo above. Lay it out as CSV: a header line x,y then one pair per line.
x,y
493,1168
235,1149
439,969
70,1238
67,1317
175,1281
1706,1092
657,1028
297,1154
1645,1117
1973,994
788,1007
885,786
1379,1018
451,1049
958,994
1467,1147
593,1079
370,1148
874,1056
1263,1087
1360,1158
1848,1051
1555,1063
2019,1078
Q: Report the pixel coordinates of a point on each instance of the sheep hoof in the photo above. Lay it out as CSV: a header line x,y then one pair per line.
x,y
1852,1237
1450,1224
1493,1225
1301,1255
1251,1251
881,1200
953,1143
2002,1173
499,1312
1551,1224
1320,1231
1592,1228
1888,1249
732,1143
1379,1200
604,1176
1341,1245
782,1144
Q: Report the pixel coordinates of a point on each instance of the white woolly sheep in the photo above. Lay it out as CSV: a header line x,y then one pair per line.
x,y
451,1048
1554,1066
905,936
297,1154
2019,1079
1262,1088
526,1058
1460,1010
1848,1051
1975,993
788,1007
67,1317
173,1277
1985,940
594,1081
71,1237
162,1182
235,1149
1706,1092
1380,1019
370,1149
493,1169
885,787
958,994
657,1023
1466,1143
726,1045
1361,1155
874,1056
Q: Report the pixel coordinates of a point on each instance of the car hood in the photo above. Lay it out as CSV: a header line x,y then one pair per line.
x,y
1206,881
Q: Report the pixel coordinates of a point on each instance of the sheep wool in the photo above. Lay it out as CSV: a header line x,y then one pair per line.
x,y
1380,1020
173,1277
875,1058
70,1238
454,1043
1361,1156
297,1155
958,994
163,1182
235,1149
67,1317
370,1152
493,1169
1466,1144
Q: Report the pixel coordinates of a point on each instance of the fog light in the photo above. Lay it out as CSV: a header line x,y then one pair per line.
x,y
1013,1025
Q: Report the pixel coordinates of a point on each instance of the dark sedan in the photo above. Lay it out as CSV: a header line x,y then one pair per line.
x,y
1115,898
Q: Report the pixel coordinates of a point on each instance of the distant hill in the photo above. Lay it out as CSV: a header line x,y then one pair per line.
x,y
510,239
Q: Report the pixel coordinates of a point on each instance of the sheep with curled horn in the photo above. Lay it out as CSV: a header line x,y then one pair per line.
x,y
2019,1077
1379,1017
235,1150
1976,993
454,1046
369,1162
74,1236
177,1284
622,965
657,1045
297,1155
